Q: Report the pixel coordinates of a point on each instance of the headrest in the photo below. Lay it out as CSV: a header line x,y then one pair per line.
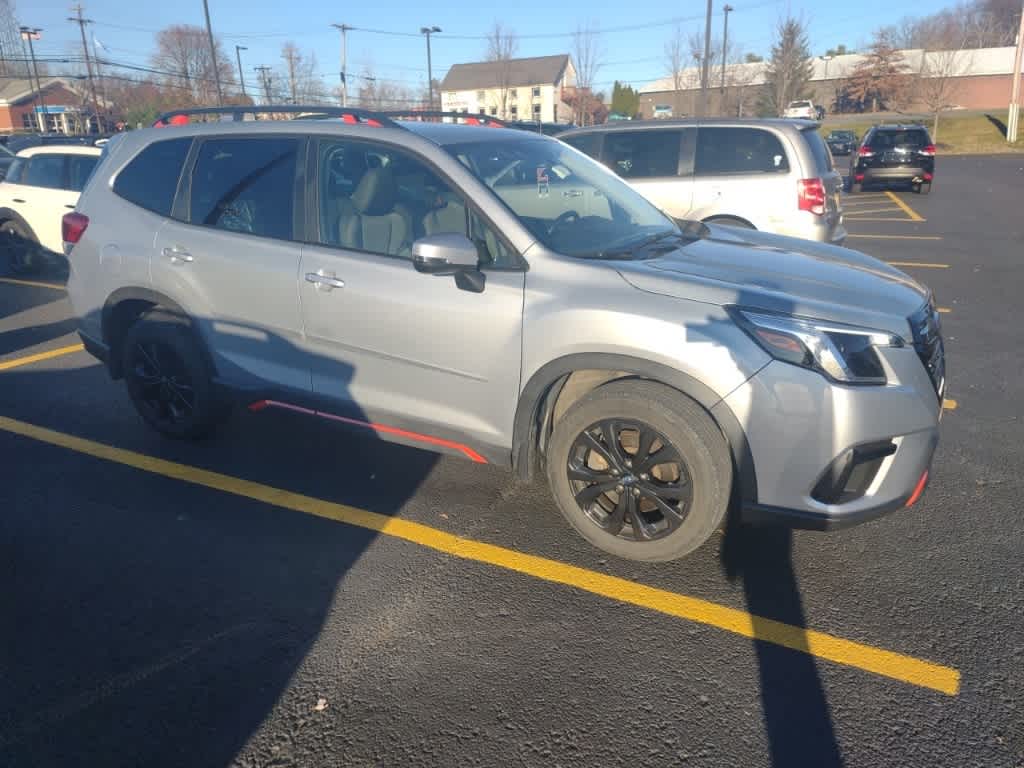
x,y
375,195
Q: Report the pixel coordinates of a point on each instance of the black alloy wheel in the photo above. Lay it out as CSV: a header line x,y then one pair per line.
x,y
165,387
629,480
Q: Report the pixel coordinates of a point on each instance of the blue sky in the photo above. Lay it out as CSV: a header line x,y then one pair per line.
x,y
127,29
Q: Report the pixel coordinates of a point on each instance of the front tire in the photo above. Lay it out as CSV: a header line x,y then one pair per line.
x,y
168,378
640,471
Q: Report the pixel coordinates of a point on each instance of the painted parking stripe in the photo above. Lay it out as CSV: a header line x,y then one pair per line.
x,y
905,208
6,365
897,237
949,404
922,264
890,664
945,310
33,284
854,219
859,211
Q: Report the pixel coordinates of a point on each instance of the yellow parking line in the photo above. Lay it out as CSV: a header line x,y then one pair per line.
x,y
923,264
6,365
905,208
897,237
949,404
945,309
898,666
859,211
851,218
33,283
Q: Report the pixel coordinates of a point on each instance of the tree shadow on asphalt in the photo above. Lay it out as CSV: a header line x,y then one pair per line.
x,y
152,622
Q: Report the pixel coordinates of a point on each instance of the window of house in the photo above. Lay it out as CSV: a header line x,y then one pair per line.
x,y
150,180
494,111
738,150
481,95
643,154
245,185
513,94
536,111
514,110
536,92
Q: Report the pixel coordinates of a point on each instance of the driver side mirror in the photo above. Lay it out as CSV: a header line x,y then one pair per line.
x,y
450,253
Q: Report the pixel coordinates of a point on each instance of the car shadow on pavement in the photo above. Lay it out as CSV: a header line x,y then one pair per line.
x,y
154,622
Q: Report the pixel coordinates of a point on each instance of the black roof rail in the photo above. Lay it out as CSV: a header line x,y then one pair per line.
x,y
467,118
300,111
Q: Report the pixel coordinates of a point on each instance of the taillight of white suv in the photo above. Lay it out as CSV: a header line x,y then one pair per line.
x,y
73,226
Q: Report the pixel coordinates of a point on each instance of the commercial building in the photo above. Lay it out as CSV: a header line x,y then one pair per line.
x,y
58,109
979,79
515,89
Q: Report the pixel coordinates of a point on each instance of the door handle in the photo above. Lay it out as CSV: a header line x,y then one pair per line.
x,y
324,281
177,255
17,200
572,193
70,206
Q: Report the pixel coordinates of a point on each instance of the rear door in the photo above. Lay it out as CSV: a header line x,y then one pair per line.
x,y
655,163
230,253
41,197
742,172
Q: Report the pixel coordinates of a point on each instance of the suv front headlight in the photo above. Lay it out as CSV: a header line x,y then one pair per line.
x,y
843,353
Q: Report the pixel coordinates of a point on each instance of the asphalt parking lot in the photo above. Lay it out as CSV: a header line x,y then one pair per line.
x,y
288,594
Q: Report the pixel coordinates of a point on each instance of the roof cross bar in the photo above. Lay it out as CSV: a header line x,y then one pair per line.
x,y
300,112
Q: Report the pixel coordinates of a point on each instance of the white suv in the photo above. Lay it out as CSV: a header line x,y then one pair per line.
x,y
42,184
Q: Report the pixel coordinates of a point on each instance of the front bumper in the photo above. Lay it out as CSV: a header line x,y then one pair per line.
x,y
798,425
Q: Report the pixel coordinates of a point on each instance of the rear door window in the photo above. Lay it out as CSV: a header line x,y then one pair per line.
x,y
80,168
587,143
45,171
819,151
643,154
16,171
724,151
245,185
150,181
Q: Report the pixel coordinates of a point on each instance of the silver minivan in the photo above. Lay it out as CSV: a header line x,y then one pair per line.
x,y
772,175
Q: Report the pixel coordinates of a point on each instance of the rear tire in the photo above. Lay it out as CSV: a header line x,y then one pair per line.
x,y
168,377
675,505
20,248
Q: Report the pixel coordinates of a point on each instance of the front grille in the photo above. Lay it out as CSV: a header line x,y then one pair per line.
x,y
927,331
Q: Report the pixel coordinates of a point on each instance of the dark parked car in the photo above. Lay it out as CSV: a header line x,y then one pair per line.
x,y
548,129
894,154
841,142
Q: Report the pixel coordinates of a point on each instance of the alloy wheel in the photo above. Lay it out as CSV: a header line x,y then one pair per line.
x,y
164,385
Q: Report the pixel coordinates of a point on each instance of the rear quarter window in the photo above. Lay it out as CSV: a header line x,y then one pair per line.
x,y
722,151
150,180
16,171
819,151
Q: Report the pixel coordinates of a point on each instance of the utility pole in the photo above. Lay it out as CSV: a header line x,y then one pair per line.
x,y
81,22
428,31
241,74
343,28
265,79
1013,120
99,77
726,9
30,34
705,71
213,54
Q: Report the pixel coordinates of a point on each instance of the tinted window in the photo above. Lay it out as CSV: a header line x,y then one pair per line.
x,y
643,154
587,143
913,138
16,171
45,171
819,150
739,150
151,179
245,185
80,167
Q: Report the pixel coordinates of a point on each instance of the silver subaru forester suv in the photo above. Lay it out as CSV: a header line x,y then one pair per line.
x,y
500,296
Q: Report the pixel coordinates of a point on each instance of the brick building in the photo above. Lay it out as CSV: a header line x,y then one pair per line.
x,y
60,110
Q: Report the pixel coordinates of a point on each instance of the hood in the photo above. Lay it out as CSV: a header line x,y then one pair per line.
x,y
782,274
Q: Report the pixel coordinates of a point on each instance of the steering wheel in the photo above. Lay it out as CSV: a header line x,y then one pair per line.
x,y
562,220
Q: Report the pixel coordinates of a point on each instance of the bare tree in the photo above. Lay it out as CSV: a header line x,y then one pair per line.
x,y
588,55
789,69
940,80
676,58
502,45
304,86
380,94
183,57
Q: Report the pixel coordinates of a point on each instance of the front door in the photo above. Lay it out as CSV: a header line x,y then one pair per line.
x,y
232,263
413,354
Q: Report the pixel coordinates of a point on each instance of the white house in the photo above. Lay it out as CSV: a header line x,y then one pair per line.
x,y
516,89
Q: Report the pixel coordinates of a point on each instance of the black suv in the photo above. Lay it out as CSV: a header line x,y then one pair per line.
x,y
894,153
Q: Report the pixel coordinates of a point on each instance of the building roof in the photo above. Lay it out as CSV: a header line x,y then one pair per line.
x,y
18,89
538,70
965,63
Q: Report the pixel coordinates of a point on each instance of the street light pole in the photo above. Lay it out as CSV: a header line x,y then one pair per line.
x,y
428,31
1013,119
30,34
705,72
726,10
343,28
213,54
241,75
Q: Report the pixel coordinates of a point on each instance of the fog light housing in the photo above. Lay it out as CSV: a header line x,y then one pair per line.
x,y
851,473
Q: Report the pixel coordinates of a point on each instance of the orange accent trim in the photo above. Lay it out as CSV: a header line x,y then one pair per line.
x,y
918,490
465,450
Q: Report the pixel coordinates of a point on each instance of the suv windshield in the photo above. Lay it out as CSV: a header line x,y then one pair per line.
x,y
570,203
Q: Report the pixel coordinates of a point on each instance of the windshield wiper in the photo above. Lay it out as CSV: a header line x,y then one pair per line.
x,y
632,248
